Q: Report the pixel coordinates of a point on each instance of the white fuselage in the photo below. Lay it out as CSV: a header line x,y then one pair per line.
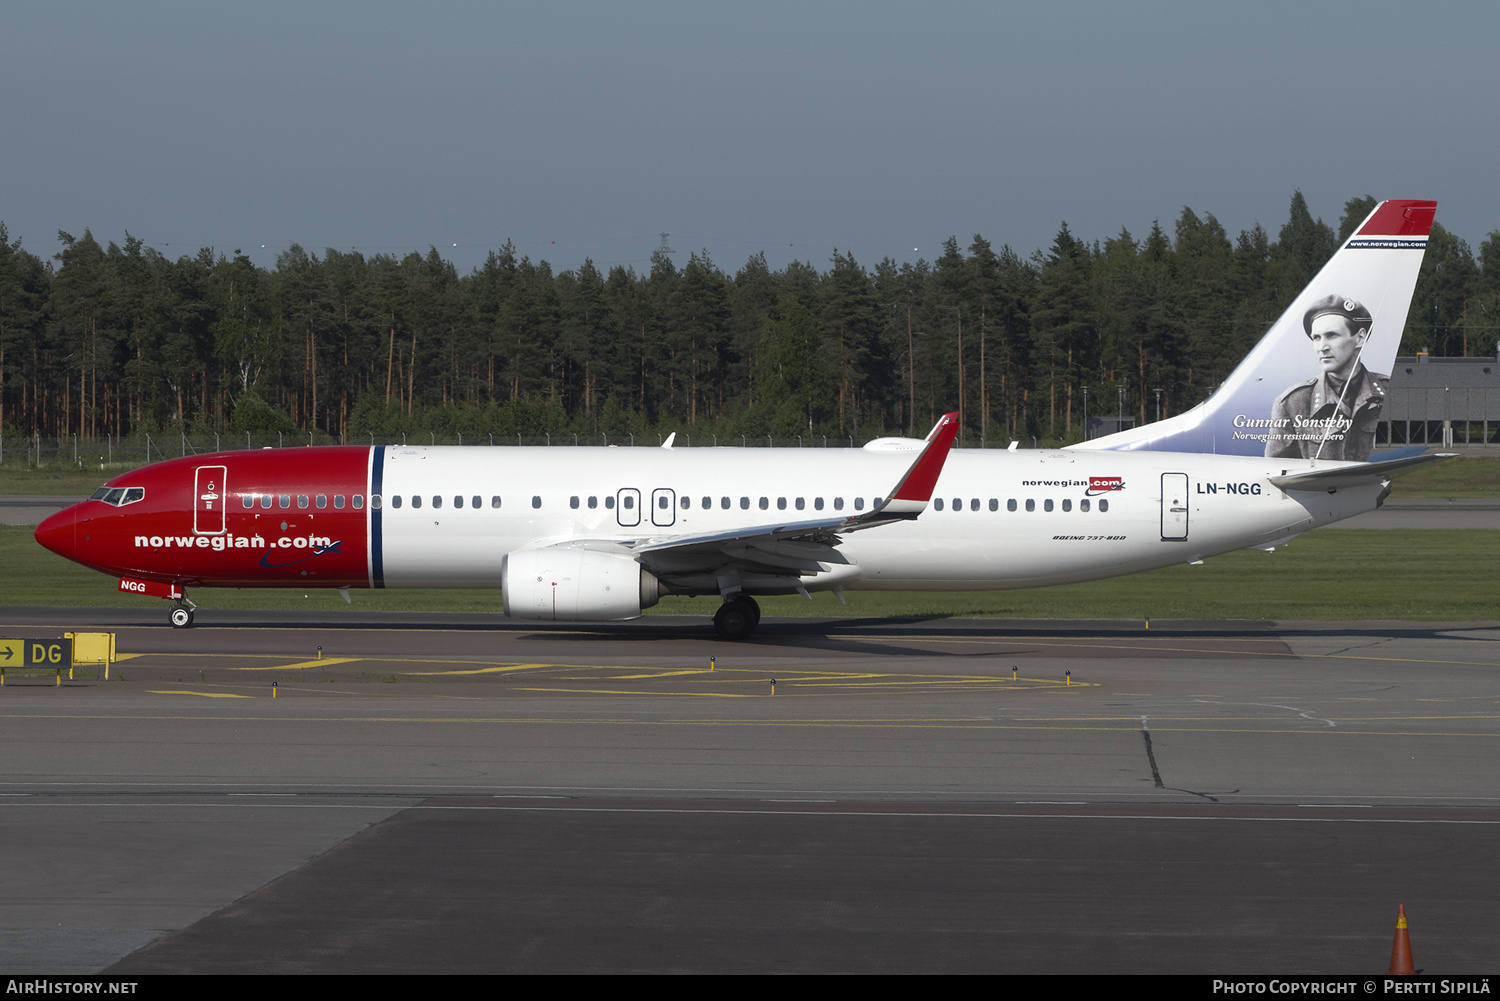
x,y
998,519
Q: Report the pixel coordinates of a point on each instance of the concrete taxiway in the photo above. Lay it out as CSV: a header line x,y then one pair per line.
x,y
462,793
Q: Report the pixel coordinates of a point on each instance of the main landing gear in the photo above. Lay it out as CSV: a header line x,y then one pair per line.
x,y
181,615
737,618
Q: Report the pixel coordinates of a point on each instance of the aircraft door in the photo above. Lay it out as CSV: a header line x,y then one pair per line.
x,y
628,507
1174,507
209,496
663,507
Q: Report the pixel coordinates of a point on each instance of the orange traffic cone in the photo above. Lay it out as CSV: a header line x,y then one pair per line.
x,y
1401,947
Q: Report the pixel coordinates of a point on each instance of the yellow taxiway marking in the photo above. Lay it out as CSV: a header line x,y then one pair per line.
x,y
301,665
206,695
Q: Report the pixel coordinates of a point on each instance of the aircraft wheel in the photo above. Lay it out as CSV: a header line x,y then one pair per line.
x,y
754,609
735,620
181,617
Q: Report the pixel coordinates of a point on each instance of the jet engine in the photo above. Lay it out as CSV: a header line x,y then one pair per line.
x,y
566,584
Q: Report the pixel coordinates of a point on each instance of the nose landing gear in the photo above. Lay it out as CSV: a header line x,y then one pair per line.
x,y
181,615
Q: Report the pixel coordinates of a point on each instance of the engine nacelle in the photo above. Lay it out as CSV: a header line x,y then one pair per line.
x,y
566,584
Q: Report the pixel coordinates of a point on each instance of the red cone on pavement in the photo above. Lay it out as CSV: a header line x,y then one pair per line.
x,y
1401,947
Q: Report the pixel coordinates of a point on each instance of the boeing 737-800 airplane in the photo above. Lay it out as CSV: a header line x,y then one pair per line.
x,y
581,534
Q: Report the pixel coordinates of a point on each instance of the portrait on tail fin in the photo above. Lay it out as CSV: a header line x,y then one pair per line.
x,y
1333,415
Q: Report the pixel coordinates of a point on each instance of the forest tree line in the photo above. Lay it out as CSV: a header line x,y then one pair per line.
x,y
119,339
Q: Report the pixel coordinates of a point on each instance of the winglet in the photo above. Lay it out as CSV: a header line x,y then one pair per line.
x,y
912,492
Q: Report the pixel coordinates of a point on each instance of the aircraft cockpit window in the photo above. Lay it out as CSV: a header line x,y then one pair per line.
x,y
99,494
133,494
338,502
937,503
359,501
265,501
1083,505
302,500
112,497
322,500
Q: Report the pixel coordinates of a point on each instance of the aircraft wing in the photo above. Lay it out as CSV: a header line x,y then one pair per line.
x,y
792,548
1357,474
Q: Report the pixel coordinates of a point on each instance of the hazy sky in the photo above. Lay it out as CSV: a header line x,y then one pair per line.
x,y
585,129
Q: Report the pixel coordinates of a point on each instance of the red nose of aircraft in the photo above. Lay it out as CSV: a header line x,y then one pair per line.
x,y
59,532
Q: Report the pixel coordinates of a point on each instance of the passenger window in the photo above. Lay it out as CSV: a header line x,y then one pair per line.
x,y
1103,505
765,502
474,502
724,503
1030,504
609,503
322,501
801,504
247,501
859,503
593,502
1067,504
416,500
573,502
838,503
662,502
495,500
629,501
781,503
1083,505
937,502
1010,505
338,502
265,501
302,500
437,501
284,500
458,501
974,504
817,503
1047,504
536,501
687,502
744,503
994,504
708,503
395,500
958,503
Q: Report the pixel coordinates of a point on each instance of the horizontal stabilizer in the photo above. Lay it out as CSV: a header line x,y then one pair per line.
x,y
1335,477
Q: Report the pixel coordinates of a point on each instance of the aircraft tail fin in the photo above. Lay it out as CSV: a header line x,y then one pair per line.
x,y
1312,388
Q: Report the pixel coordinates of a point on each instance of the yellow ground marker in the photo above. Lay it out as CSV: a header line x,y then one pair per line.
x,y
301,665
205,695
